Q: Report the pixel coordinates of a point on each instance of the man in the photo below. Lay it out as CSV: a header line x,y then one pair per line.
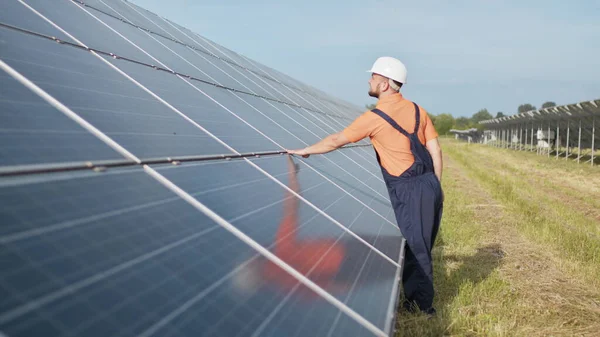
x,y
410,157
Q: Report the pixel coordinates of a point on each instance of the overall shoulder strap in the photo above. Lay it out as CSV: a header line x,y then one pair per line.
x,y
390,121
418,118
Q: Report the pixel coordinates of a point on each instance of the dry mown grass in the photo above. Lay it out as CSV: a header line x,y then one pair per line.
x,y
495,275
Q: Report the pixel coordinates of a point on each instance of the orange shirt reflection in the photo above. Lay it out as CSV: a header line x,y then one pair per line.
x,y
319,259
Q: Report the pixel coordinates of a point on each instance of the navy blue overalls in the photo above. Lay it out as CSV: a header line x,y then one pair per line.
x,y
416,196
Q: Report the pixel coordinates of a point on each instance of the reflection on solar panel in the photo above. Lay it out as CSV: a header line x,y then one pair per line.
x,y
144,190
566,131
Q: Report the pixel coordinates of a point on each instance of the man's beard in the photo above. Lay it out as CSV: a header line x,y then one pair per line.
x,y
373,93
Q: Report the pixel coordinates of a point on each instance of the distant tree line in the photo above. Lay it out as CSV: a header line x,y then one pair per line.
x,y
445,122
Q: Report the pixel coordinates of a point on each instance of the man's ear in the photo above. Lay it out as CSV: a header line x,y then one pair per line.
x,y
386,86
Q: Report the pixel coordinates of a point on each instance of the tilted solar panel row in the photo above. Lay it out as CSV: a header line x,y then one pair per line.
x,y
118,238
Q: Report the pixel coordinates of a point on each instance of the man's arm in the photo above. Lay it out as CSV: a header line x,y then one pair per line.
x,y
327,144
433,146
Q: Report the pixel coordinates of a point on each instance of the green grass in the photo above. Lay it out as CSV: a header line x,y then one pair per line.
x,y
510,259
546,218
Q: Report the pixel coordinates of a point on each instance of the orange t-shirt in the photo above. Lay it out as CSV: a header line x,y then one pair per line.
x,y
392,146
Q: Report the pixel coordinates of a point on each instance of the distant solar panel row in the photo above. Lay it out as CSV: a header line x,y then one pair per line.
x,y
567,129
146,244
583,110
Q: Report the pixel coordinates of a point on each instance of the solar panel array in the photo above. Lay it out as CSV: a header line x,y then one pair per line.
x,y
144,190
567,129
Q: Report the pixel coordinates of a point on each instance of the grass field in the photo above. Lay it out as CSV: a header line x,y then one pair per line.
x,y
519,248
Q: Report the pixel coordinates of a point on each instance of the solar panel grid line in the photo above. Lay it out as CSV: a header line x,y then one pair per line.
x,y
362,267
344,228
297,94
173,39
136,82
332,118
158,34
236,70
316,263
280,201
5,239
51,297
257,110
389,323
85,295
21,298
357,164
263,76
181,77
250,61
66,111
254,108
287,85
115,56
13,237
73,253
267,254
197,297
261,79
289,131
278,308
289,295
184,79
351,194
319,127
333,326
335,130
184,59
269,137
279,82
188,304
129,299
228,64
359,152
348,192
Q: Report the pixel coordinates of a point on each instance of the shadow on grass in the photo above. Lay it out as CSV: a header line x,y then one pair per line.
x,y
451,273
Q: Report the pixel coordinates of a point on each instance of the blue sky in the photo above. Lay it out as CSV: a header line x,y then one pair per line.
x,y
461,56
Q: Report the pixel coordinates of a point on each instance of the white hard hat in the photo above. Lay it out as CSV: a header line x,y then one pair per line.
x,y
389,67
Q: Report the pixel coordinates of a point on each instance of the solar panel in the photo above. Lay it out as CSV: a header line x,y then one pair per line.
x,y
569,126
144,190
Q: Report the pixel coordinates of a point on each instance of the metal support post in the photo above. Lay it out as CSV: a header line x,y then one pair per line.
x,y
520,137
512,137
579,143
593,136
557,142
568,134
548,139
526,134
532,136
